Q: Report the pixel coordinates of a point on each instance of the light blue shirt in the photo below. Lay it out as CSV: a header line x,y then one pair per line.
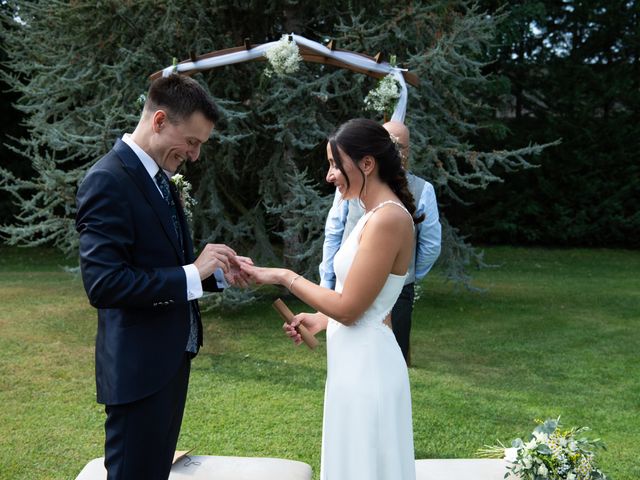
x,y
428,235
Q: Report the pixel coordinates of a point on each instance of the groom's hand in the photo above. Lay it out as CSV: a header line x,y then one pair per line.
x,y
236,276
212,257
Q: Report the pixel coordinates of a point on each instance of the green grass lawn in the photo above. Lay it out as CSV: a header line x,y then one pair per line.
x,y
555,333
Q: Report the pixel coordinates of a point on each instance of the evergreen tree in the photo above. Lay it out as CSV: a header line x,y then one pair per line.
x,y
80,67
10,128
574,73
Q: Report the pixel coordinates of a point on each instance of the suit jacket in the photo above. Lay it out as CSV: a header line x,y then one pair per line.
x,y
131,263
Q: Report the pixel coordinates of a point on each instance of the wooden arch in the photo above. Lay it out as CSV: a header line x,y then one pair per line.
x,y
307,54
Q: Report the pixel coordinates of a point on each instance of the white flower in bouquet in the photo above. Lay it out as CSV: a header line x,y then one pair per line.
x,y
284,57
384,97
540,436
551,453
184,192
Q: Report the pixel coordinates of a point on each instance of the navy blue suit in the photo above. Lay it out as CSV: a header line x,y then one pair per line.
x,y
131,262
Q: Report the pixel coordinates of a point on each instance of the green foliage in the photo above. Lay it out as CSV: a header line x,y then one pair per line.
x,y
11,128
546,339
80,67
574,74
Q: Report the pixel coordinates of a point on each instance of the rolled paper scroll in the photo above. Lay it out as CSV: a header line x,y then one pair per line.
x,y
287,315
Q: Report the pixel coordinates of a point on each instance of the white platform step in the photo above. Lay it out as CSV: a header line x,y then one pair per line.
x,y
201,467
462,469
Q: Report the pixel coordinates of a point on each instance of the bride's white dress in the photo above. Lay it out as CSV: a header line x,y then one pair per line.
x,y
367,426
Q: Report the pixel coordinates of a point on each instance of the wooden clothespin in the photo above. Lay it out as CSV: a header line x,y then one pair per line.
x,y
378,57
332,45
192,56
247,43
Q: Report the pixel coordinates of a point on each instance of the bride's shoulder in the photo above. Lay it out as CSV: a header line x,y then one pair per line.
x,y
391,217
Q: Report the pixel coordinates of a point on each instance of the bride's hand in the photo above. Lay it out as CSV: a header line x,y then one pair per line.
x,y
263,275
236,276
315,322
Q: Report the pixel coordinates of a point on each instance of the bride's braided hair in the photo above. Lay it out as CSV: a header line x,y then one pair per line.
x,y
361,137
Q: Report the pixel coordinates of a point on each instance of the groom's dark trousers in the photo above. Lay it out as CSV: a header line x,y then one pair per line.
x,y
131,260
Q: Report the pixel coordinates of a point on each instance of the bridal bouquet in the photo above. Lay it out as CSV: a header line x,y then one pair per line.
x,y
552,453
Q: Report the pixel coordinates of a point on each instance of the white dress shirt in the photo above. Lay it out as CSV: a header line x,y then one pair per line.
x,y
194,284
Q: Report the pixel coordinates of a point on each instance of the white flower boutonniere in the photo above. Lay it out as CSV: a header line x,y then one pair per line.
x,y
284,57
184,191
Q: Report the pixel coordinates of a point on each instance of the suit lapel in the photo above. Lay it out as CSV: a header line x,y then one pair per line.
x,y
133,166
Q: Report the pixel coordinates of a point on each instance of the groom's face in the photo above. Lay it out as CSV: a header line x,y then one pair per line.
x,y
180,141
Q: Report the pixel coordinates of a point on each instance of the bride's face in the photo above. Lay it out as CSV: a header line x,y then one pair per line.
x,y
350,189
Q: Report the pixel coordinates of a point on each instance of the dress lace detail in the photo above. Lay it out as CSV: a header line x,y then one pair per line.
x,y
367,426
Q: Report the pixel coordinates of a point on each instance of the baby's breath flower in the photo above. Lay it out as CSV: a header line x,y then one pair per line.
x,y
384,97
184,191
140,101
284,57
540,436
418,289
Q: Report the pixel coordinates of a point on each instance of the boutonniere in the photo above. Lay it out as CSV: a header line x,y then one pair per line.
x,y
184,193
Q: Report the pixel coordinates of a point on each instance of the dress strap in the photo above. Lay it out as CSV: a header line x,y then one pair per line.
x,y
365,218
393,202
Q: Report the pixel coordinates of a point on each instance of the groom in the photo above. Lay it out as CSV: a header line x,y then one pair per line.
x,y
139,270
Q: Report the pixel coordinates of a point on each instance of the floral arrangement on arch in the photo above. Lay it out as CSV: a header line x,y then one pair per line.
x,y
283,57
551,453
384,97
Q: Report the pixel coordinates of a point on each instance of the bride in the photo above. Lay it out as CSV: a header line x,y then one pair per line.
x,y
367,426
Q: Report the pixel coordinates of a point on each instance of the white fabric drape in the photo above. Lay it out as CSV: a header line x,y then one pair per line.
x,y
349,58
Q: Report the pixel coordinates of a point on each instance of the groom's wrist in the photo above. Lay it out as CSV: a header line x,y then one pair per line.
x,y
194,284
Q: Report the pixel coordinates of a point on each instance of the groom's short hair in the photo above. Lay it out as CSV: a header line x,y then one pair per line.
x,y
180,97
